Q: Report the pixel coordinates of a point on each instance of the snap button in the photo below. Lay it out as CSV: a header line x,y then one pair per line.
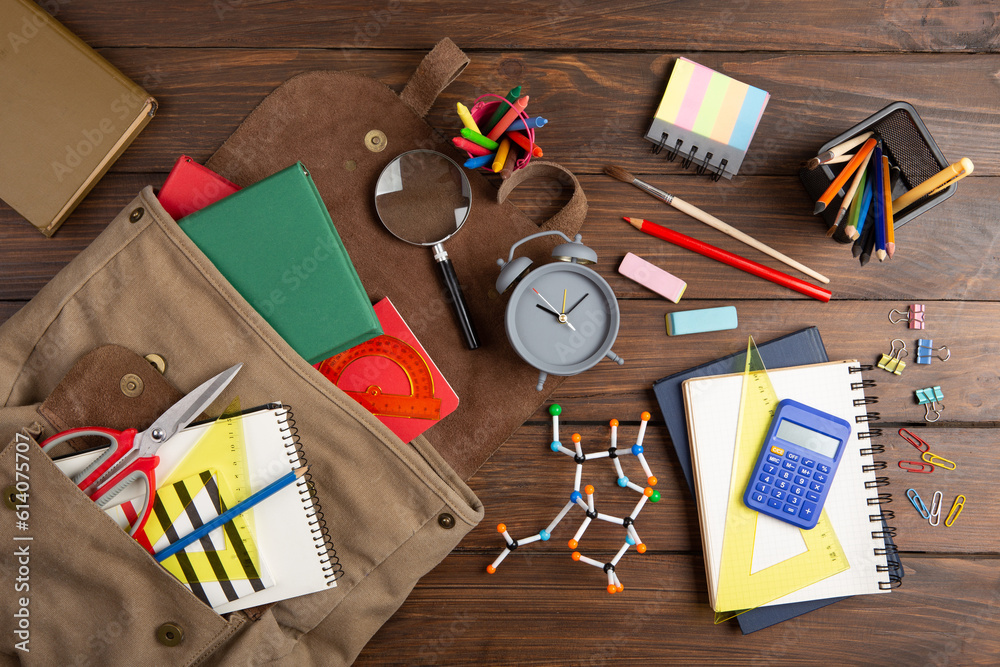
x,y
446,521
136,214
158,362
131,385
170,634
350,165
10,497
376,141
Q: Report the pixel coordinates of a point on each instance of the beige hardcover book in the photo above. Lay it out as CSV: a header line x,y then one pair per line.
x,y
66,114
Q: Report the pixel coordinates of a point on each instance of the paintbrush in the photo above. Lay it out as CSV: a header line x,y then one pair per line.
x,y
710,220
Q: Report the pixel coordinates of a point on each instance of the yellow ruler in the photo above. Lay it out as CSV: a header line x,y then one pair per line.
x,y
740,588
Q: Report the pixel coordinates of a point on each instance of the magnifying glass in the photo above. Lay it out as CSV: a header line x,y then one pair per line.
x,y
423,197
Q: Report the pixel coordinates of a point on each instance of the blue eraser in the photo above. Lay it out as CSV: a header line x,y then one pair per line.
x,y
702,320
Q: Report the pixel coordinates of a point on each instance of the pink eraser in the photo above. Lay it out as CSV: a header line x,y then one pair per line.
x,y
649,275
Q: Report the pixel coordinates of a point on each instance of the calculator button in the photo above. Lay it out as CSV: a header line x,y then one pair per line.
x,y
778,493
784,474
767,479
798,490
792,456
792,500
788,465
770,469
788,509
818,488
807,511
777,451
771,458
820,477
782,484
814,497
823,469
776,504
758,498
801,481
805,472
809,463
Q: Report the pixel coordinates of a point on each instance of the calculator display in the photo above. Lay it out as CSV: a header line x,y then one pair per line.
x,y
808,438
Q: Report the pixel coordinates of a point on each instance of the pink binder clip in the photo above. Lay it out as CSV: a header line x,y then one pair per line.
x,y
915,316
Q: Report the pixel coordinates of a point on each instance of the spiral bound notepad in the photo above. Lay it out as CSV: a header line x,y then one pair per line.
x,y
707,119
856,496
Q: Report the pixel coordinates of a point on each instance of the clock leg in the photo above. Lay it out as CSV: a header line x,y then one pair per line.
x,y
614,357
542,375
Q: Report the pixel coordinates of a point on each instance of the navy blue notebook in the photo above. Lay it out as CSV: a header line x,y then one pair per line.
x,y
795,349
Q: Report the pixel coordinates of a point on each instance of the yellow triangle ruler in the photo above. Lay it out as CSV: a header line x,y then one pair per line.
x,y
740,588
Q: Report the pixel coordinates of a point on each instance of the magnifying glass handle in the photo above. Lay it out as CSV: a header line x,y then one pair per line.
x,y
457,298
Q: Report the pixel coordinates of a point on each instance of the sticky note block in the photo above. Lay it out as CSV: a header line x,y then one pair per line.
x,y
649,275
700,321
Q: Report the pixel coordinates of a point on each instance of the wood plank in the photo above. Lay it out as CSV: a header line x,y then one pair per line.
x,y
8,308
599,104
524,486
553,612
857,25
775,210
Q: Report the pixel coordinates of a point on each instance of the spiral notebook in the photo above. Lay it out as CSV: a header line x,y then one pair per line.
x,y
854,502
706,118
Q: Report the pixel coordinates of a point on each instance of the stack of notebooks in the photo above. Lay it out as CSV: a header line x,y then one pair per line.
x,y
701,408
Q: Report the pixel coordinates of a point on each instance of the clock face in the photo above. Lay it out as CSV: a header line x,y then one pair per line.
x,y
562,318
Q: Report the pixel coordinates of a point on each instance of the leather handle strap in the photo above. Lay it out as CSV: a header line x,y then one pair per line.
x,y
570,217
438,69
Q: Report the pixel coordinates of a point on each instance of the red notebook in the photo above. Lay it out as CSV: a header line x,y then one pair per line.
x,y
190,187
393,377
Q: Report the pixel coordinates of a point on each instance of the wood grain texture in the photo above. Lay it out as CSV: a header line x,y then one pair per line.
x,y
552,611
728,25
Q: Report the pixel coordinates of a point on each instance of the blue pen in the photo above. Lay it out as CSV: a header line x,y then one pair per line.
x,y
481,161
535,122
230,514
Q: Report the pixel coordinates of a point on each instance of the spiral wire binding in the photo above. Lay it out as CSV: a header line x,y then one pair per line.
x,y
332,569
893,566
687,158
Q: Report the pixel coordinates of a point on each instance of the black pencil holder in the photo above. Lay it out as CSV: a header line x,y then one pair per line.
x,y
907,144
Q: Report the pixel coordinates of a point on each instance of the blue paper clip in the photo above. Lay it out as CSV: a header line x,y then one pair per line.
x,y
914,500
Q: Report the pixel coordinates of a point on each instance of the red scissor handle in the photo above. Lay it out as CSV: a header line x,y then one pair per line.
x,y
143,469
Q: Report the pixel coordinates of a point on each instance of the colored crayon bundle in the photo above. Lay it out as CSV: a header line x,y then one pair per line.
x,y
498,134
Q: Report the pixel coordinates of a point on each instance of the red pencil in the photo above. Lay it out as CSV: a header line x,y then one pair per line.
x,y
729,258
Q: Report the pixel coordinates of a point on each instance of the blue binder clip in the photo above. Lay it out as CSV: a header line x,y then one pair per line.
x,y
926,350
931,398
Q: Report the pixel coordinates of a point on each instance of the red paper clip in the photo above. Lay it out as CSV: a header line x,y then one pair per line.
x,y
914,440
916,466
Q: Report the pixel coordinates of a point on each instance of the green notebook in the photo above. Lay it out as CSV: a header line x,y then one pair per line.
x,y
276,244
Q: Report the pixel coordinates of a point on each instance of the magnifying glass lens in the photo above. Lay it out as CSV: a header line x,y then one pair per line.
x,y
422,197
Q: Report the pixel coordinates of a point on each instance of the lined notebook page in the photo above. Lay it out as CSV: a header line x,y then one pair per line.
x,y
712,406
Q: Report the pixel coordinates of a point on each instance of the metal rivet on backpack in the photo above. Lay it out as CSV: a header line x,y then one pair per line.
x,y
446,521
158,362
136,214
350,165
170,634
10,497
376,141
131,385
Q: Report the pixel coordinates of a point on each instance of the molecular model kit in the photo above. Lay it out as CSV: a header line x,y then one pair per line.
x,y
576,499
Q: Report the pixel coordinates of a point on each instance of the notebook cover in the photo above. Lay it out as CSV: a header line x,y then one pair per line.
x,y
67,115
191,187
400,378
276,244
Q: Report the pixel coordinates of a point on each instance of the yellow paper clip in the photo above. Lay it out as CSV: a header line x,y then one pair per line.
x,y
956,509
935,517
939,461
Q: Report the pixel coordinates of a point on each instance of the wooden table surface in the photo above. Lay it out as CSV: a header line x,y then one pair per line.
x,y
597,70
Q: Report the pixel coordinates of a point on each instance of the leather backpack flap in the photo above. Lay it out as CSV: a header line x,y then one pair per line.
x,y
328,120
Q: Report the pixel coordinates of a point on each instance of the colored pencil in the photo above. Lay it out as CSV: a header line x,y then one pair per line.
x,y
851,192
890,233
710,220
831,155
851,228
726,257
230,514
867,242
516,108
878,193
502,108
866,205
844,174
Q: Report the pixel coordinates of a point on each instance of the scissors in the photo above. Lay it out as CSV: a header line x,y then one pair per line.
x,y
132,454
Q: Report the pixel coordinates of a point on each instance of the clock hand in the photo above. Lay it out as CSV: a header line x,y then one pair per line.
x,y
578,303
563,311
562,318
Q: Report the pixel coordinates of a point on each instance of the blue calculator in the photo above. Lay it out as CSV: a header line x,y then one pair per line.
x,y
797,463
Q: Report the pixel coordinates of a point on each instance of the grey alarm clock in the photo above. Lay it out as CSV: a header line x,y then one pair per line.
x,y
563,317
